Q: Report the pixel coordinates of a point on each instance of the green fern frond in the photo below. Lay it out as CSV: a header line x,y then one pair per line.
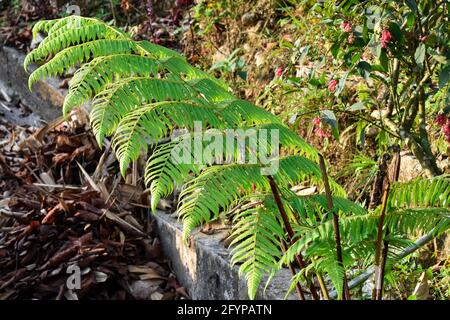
x,y
147,124
162,174
356,229
140,93
114,102
42,26
408,221
177,65
421,193
328,264
94,76
227,183
79,54
324,262
73,36
256,244
159,52
309,206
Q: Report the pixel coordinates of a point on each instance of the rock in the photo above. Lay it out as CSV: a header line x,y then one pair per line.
x,y
143,289
249,19
443,164
410,167
35,42
379,114
45,100
372,132
422,289
260,58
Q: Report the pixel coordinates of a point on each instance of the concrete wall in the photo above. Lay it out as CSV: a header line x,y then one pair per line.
x,y
204,267
45,100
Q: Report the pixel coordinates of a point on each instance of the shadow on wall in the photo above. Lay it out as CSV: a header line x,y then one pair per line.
x,y
203,268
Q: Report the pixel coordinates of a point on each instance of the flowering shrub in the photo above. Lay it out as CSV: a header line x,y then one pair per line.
x,y
399,50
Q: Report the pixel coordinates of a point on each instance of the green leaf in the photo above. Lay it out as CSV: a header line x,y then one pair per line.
x,y
329,117
341,84
410,19
335,48
242,74
357,106
444,76
364,69
394,28
384,60
412,5
419,55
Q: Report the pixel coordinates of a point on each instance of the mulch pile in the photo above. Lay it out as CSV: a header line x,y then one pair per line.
x,y
64,206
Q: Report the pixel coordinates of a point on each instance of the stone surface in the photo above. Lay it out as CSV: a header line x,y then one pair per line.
x,y
204,266
45,100
410,167
249,19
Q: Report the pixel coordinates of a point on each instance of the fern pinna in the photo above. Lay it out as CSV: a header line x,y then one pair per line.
x,y
141,92
419,206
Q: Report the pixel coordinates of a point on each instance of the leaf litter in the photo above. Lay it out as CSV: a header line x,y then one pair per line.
x,y
63,203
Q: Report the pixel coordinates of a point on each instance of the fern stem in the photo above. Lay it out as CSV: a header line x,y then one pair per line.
x,y
337,233
298,286
323,287
290,234
393,174
376,290
384,255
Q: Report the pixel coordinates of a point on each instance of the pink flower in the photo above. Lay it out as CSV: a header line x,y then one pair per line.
x,y
386,37
279,72
316,121
440,120
332,85
447,128
346,26
321,133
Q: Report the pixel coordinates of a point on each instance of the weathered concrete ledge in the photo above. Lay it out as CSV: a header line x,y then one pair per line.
x,y
45,100
204,266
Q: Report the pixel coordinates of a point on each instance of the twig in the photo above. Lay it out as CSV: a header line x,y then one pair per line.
x,y
4,106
